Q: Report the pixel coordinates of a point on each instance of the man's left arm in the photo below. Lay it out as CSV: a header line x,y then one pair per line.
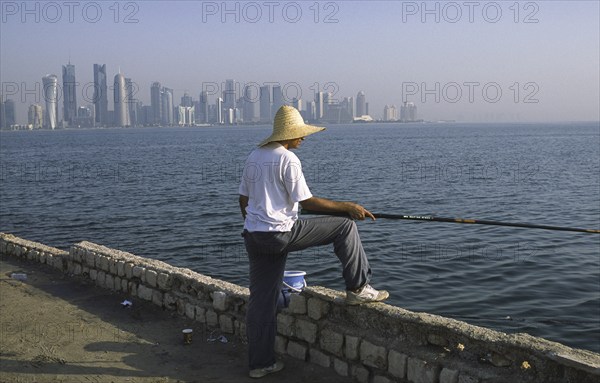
x,y
243,204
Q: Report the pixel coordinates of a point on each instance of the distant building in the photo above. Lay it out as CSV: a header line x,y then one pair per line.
x,y
219,111
229,95
311,111
167,106
296,103
2,114
202,112
156,104
348,104
319,106
69,93
100,95
50,82
278,100
85,117
361,104
10,113
265,104
408,112
249,105
132,103
35,116
146,115
390,113
336,114
186,115
186,100
121,103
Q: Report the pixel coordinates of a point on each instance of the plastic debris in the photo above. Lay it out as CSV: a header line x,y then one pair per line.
x,y
126,304
19,276
221,338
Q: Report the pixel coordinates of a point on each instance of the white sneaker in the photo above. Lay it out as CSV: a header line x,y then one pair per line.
x,y
366,294
260,372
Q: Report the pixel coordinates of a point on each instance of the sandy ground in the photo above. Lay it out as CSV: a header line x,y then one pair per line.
x,y
56,329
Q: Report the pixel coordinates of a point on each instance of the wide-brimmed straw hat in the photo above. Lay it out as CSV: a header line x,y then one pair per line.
x,y
289,124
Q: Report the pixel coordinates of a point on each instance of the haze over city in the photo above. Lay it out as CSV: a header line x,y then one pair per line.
x,y
464,61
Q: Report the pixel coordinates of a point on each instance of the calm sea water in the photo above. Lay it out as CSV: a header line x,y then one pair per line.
x,y
171,194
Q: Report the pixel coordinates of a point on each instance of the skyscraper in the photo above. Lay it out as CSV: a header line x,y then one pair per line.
x,y
203,108
2,113
229,95
120,97
249,105
186,100
186,115
156,103
132,108
361,105
50,82
390,113
167,106
69,93
408,112
219,110
320,105
35,116
278,100
10,113
100,95
265,104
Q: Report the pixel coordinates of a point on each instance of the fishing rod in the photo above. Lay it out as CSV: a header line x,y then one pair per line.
x,y
460,220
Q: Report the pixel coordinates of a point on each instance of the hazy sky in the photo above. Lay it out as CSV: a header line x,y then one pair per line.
x,y
469,61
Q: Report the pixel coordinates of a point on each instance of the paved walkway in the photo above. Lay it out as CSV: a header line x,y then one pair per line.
x,y
55,329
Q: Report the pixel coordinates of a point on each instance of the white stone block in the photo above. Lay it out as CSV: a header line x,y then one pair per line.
x,y
219,301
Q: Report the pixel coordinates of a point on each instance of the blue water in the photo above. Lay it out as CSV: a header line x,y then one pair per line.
x,y
171,194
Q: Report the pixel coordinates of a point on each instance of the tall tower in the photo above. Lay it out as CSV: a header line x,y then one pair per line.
x,y
120,95
277,99
69,93
361,104
265,104
100,94
50,82
2,113
167,106
35,116
156,103
132,105
219,105
10,113
203,107
186,100
229,95
320,105
249,105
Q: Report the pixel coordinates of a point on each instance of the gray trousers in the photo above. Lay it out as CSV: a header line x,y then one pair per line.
x,y
267,252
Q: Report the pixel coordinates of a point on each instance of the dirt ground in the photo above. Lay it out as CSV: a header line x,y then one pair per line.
x,y
56,329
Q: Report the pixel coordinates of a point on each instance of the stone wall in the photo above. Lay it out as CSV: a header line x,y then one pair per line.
x,y
374,343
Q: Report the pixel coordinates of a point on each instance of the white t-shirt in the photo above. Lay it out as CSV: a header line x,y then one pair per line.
x,y
274,184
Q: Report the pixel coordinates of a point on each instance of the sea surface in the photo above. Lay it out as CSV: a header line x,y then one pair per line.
x,y
171,194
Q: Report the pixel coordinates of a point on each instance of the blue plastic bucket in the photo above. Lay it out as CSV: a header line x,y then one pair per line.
x,y
293,282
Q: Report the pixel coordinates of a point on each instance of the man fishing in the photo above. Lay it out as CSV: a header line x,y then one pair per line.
x,y
271,189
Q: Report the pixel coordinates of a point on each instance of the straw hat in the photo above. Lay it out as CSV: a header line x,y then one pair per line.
x,y
289,124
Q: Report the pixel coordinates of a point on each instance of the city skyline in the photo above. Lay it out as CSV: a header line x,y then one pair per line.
x,y
472,61
234,102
